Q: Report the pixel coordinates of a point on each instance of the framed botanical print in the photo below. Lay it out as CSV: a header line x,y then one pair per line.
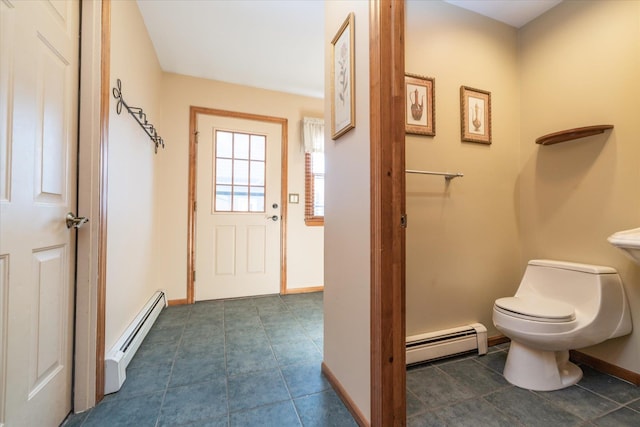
x,y
475,115
343,92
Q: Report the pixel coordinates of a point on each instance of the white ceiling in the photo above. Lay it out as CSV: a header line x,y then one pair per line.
x,y
271,44
513,12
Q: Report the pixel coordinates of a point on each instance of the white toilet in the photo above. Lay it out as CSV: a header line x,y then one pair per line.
x,y
559,306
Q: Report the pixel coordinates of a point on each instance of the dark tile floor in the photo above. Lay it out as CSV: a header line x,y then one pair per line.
x,y
256,362
245,362
471,391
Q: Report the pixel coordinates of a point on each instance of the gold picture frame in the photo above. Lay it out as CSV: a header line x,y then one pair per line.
x,y
420,116
343,91
475,114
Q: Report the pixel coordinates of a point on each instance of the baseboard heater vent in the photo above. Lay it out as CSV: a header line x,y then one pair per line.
x,y
445,343
118,358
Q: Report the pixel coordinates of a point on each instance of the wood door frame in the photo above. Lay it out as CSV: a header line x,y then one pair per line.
x,y
388,315
88,388
192,187
105,75
388,399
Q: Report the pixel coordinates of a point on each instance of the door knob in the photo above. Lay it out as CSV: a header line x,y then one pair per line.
x,y
272,218
75,221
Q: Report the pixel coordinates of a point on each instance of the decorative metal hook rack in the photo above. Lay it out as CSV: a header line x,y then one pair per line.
x,y
138,114
447,175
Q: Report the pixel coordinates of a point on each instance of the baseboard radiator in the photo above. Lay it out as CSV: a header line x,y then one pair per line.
x,y
445,343
118,358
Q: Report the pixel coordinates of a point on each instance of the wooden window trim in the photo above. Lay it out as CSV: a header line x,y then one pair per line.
x,y
316,221
310,219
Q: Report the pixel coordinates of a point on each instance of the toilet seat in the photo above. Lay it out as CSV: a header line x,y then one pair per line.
x,y
536,309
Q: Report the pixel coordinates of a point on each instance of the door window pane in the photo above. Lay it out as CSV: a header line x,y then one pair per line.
x,y
224,144
256,199
239,178
240,198
223,198
223,171
258,143
257,173
240,172
241,146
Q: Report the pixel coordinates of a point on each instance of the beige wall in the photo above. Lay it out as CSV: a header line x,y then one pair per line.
x,y
131,238
304,244
347,222
468,242
462,238
579,66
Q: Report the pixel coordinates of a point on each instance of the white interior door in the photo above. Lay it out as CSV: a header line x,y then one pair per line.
x,y
38,148
238,213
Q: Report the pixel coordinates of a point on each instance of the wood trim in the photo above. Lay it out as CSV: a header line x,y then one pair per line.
x,y
344,396
310,219
102,218
192,183
605,367
317,221
191,203
304,290
571,134
308,189
388,330
181,301
284,204
497,340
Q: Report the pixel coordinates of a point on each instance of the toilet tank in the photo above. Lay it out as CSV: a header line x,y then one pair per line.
x,y
591,289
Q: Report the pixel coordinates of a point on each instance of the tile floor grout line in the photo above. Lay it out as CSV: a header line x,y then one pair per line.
x,y
226,366
295,408
606,397
544,394
510,417
173,362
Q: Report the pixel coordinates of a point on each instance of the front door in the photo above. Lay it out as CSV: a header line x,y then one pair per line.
x,y
238,211
38,148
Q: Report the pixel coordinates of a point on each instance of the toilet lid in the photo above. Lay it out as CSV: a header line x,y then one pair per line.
x,y
541,309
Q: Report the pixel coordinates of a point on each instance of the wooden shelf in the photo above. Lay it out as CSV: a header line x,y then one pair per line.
x,y
570,134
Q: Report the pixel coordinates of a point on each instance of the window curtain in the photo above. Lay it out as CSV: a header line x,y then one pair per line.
x,y
313,135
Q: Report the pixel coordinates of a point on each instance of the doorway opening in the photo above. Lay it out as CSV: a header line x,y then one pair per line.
x,y
226,233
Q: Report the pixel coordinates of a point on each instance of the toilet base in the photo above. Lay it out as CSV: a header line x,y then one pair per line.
x,y
540,370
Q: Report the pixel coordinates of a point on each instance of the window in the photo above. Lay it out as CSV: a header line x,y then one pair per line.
x,y
313,140
314,189
240,166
